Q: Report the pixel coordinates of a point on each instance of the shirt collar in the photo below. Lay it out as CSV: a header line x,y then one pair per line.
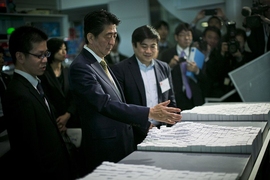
x,y
179,50
93,53
141,65
30,78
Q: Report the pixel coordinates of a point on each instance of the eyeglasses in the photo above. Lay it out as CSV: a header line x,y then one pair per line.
x,y
41,56
185,35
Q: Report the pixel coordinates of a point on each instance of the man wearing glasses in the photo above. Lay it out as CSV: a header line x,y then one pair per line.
x,y
37,148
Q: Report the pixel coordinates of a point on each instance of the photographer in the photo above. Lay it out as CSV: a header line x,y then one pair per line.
x,y
209,44
238,52
256,22
217,18
229,56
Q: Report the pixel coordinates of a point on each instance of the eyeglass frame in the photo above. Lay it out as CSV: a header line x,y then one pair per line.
x,y
42,56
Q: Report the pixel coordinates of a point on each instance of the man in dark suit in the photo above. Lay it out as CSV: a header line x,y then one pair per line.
x,y
115,56
37,148
144,80
106,119
173,56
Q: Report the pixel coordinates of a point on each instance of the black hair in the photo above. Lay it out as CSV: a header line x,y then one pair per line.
x,y
241,32
215,17
54,45
144,32
94,22
161,23
22,39
212,28
181,27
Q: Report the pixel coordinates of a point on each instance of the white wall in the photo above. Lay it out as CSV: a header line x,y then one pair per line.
x,y
132,14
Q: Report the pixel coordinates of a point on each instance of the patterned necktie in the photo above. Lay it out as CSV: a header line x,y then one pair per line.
x,y
183,66
105,68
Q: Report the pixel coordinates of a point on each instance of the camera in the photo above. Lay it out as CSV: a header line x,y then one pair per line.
x,y
210,12
251,14
233,44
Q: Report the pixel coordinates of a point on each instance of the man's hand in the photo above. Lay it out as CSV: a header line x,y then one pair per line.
x,y
62,121
151,126
174,61
199,16
192,67
237,54
221,14
165,114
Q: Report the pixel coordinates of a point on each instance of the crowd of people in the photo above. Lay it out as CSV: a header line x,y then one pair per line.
x,y
113,98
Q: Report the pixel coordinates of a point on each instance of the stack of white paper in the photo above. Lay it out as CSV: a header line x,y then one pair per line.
x,y
198,137
112,171
229,112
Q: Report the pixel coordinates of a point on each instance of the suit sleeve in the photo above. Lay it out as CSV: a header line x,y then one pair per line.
x,y
90,90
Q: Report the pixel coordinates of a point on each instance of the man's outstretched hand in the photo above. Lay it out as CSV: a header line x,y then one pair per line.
x,y
162,113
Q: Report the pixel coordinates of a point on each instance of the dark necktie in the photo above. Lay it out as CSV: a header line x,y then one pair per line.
x,y
41,93
40,89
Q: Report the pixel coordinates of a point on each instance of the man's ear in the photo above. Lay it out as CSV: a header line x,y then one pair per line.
x,y
20,57
90,37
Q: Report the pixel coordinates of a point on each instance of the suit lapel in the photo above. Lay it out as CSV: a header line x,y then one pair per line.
x,y
33,91
100,72
159,78
135,71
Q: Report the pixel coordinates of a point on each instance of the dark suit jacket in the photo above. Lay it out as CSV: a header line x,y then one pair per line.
x,y
129,76
181,99
59,94
105,119
110,61
36,144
